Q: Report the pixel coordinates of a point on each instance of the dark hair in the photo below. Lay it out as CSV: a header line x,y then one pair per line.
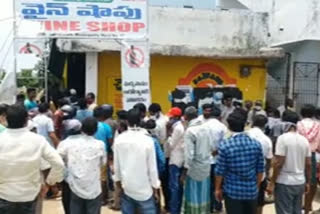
x,y
290,116
154,107
30,90
134,117
107,110
122,115
89,126
260,121
91,95
216,112
206,106
43,107
236,121
20,97
150,124
317,113
62,102
17,116
191,112
82,103
227,96
98,112
308,111
241,111
3,109
141,107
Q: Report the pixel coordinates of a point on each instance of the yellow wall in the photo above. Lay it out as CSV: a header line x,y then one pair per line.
x,y
166,71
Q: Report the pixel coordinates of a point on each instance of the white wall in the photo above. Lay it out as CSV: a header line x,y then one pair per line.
x,y
289,20
192,32
92,73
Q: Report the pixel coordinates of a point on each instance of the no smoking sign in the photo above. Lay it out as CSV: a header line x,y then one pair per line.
x,y
135,57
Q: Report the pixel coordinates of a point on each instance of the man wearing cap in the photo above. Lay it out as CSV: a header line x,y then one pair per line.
x,y
74,131
176,148
84,156
239,168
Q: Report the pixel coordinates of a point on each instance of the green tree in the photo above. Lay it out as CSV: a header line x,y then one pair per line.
x,y
27,78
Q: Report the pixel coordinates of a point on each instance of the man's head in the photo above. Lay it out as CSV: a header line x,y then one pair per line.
x,y
98,113
20,98
154,110
258,105
237,121
248,104
62,102
216,112
43,108
142,109
308,111
227,100
290,116
89,126
289,103
82,104
260,121
317,114
107,110
31,93
190,113
134,117
17,117
90,98
207,110
122,115
175,113
3,114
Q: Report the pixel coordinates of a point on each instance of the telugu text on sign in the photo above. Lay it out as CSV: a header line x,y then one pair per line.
x,y
101,18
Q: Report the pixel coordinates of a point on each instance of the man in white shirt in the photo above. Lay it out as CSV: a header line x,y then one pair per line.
x,y
217,131
44,125
176,147
292,168
135,167
85,156
21,152
227,108
155,113
257,133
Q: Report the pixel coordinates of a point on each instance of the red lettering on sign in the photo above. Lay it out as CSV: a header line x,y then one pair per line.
x,y
60,26
124,27
137,26
74,26
93,26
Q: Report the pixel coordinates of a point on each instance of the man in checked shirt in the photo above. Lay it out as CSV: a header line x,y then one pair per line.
x,y
240,167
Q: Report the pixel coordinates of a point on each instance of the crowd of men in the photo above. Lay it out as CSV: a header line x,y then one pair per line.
x,y
195,159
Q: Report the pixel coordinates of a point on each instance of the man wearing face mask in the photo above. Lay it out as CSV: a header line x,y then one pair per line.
x,y
176,148
257,110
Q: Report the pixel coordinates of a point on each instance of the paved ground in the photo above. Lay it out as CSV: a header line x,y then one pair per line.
x,y
55,207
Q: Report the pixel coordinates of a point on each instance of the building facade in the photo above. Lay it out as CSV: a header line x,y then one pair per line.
x,y
200,50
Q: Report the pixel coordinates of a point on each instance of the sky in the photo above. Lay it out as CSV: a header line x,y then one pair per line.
x,y
6,43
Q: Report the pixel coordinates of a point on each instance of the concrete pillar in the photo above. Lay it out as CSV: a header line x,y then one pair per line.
x,y
92,73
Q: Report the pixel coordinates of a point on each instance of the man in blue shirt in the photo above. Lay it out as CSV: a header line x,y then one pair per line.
x,y
240,167
30,102
104,133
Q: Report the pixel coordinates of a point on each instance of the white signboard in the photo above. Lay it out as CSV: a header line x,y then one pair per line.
x,y
119,19
135,74
30,46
